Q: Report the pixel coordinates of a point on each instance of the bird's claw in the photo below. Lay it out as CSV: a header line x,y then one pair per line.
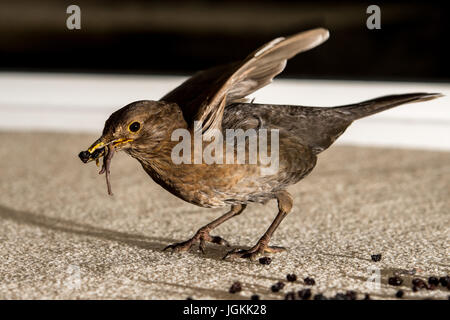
x,y
202,238
180,246
253,252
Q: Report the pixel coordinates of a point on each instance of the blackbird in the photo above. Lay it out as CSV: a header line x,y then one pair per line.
x,y
216,98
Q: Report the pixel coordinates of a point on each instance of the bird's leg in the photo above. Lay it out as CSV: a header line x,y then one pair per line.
x,y
262,246
203,236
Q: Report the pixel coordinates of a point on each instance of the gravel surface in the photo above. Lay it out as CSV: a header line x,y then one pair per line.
x,y
63,237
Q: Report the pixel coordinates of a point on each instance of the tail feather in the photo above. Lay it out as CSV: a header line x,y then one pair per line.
x,y
370,107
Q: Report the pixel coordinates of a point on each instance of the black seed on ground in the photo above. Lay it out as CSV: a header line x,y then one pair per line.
x,y
352,295
395,281
319,296
349,295
265,260
236,287
277,286
291,277
376,257
289,296
433,281
189,298
340,296
399,294
419,283
254,297
309,281
444,281
367,296
304,294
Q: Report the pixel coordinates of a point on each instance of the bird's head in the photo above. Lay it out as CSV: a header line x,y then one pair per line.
x,y
141,125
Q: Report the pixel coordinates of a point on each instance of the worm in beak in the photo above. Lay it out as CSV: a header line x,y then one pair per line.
x,y
107,165
106,150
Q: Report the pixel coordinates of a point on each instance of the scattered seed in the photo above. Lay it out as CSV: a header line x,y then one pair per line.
x,y
304,294
395,281
399,294
265,260
289,296
254,297
277,286
419,284
352,295
349,295
291,277
376,257
309,281
340,296
433,281
236,287
444,281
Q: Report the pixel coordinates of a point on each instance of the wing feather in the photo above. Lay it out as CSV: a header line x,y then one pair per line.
x,y
204,96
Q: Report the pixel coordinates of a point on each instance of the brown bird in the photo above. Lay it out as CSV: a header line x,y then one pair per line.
x,y
216,98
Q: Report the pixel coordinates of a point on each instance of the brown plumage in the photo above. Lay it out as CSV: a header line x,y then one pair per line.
x,y
216,97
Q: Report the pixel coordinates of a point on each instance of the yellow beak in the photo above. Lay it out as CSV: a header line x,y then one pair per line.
x,y
97,150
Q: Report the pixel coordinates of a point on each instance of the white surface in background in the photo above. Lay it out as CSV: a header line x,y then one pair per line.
x,y
72,102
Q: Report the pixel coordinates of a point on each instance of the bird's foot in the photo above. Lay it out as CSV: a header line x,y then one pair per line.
x,y
202,236
252,253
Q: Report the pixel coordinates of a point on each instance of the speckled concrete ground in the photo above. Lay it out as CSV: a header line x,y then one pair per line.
x,y
62,236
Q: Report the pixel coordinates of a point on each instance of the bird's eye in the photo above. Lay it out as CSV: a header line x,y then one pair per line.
x,y
134,127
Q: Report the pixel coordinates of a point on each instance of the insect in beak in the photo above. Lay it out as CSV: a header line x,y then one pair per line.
x,y
98,149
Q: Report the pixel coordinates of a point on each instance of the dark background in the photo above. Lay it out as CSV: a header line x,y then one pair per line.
x,y
180,37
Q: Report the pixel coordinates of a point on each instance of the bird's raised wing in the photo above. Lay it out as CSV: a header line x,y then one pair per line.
x,y
204,96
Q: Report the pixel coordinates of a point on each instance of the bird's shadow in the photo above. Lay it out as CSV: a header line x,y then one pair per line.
x,y
213,251
68,226
357,256
196,290
222,294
